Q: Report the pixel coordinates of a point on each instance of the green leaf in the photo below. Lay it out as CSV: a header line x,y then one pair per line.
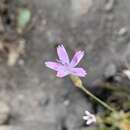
x,y
23,19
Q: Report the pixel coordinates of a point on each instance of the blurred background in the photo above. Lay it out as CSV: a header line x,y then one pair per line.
x,y
31,96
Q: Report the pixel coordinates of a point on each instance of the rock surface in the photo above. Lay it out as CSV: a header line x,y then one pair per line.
x,y
33,91
5,112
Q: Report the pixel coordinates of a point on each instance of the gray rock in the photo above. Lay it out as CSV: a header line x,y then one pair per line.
x,y
32,79
71,122
30,126
39,126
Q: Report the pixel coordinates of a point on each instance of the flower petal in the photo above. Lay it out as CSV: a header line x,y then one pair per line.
x,y
87,113
53,65
62,73
86,117
62,54
89,122
76,58
78,72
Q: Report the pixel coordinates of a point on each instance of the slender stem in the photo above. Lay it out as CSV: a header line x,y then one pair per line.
x,y
78,83
97,99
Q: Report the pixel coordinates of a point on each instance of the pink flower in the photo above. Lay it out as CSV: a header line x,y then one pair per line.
x,y
63,66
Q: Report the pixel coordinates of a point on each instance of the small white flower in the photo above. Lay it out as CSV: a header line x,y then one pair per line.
x,y
127,73
89,118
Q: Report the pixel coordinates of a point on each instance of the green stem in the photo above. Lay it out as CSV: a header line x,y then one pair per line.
x,y
97,99
78,83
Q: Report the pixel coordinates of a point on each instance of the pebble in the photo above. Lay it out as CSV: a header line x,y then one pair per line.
x,y
80,7
109,5
118,78
66,102
21,62
110,71
122,31
4,112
